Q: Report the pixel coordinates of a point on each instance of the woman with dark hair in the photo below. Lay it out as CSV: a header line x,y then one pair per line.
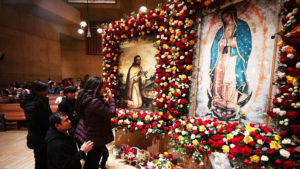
x,y
37,112
94,121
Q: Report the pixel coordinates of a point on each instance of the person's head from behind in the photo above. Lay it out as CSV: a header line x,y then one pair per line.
x,y
4,93
69,92
60,121
39,89
137,60
94,86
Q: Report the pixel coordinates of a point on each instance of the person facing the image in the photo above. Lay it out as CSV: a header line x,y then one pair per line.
x,y
37,111
94,121
61,148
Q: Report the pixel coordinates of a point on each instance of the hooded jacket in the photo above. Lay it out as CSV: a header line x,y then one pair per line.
x,y
62,151
37,111
94,123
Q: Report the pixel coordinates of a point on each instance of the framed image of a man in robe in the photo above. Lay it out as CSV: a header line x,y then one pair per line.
x,y
235,62
136,70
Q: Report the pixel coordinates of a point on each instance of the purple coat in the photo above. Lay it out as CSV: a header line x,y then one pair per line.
x,y
94,124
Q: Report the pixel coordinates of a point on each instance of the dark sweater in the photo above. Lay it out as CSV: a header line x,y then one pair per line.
x,y
62,151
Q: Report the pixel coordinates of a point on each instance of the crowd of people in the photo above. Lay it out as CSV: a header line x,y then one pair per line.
x,y
79,130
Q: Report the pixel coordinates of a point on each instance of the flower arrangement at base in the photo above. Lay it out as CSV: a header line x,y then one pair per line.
x,y
143,122
248,144
144,159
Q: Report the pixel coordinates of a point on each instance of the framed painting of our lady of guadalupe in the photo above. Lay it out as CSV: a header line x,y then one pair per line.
x,y
235,61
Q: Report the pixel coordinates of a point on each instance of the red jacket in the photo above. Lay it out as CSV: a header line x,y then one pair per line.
x,y
94,123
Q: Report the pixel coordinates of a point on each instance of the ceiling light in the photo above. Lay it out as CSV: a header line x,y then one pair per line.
x,y
80,31
83,24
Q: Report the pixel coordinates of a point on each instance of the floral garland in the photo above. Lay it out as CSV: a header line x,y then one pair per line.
x,y
250,144
143,122
173,26
286,104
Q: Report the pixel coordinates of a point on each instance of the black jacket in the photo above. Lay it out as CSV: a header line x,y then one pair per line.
x,y
37,112
68,107
62,151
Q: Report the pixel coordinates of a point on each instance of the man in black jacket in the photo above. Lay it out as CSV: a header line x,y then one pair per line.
x,y
67,105
37,111
61,148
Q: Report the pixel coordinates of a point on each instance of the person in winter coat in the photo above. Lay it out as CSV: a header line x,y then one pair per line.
x,y
61,148
37,111
67,105
94,121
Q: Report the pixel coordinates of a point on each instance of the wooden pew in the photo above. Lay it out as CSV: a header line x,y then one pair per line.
x,y
13,112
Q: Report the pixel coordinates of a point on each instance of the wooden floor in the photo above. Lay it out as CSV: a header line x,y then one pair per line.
x,y
14,153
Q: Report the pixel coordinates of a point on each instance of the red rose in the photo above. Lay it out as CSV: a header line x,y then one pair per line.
x,y
292,115
175,137
278,163
295,129
288,164
246,162
200,149
166,128
183,101
230,157
258,151
271,113
143,132
246,151
270,151
204,142
208,151
234,151
252,143
282,133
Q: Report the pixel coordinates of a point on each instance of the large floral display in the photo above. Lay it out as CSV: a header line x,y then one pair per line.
x,y
173,25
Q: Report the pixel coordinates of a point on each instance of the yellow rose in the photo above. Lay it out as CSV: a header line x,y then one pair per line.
x,y
178,91
180,23
202,128
255,158
249,128
229,136
161,122
219,126
183,40
290,49
170,117
165,83
189,67
189,126
161,100
160,113
147,117
183,123
277,137
148,24
120,122
191,42
291,79
161,155
166,153
158,42
180,138
280,43
190,22
274,145
134,115
247,139
183,77
174,68
207,2
169,97
195,142
225,148
162,28
126,28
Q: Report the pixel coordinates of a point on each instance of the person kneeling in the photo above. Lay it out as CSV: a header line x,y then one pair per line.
x,y
61,148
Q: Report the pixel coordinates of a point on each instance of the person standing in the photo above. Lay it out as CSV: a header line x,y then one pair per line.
x,y
61,148
37,111
94,121
67,105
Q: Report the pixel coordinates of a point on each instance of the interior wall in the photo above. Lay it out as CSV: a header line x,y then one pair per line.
x,y
75,63
31,46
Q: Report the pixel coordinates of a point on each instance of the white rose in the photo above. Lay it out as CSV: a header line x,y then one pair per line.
x,y
281,122
232,145
286,141
264,158
206,132
282,113
149,130
259,141
298,65
177,131
194,127
193,136
286,123
192,120
284,153
290,56
183,132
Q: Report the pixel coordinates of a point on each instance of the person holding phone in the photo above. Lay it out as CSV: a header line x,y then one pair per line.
x,y
94,121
